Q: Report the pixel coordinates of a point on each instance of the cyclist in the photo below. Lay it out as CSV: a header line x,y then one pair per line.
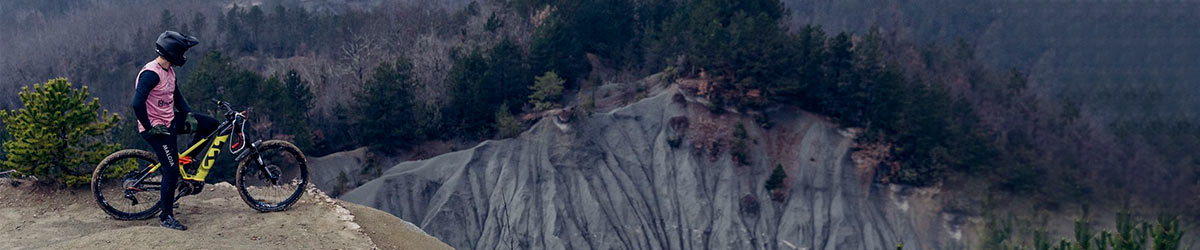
x,y
162,113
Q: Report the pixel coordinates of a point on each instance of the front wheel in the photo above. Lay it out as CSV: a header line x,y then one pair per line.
x,y
273,177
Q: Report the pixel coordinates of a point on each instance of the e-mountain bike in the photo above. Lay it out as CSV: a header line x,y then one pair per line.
x,y
271,175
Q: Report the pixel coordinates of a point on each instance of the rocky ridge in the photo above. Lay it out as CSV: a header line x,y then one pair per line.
x,y
658,174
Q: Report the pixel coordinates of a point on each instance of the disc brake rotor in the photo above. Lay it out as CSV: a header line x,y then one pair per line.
x,y
271,174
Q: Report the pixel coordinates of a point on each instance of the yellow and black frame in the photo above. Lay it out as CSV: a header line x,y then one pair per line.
x,y
193,178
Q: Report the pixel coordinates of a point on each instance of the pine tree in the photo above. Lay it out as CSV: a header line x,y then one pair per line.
x,y
570,31
839,77
166,21
1102,240
479,84
775,184
296,101
468,114
384,111
1130,234
802,87
199,23
1167,234
1083,234
547,89
216,77
255,18
58,135
554,48
507,126
507,75
776,180
3,138
1041,240
997,235
286,106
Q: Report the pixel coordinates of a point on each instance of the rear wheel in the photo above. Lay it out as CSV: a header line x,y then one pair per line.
x,y
272,178
115,186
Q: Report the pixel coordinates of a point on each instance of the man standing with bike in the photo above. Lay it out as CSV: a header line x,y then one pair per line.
x,y
162,113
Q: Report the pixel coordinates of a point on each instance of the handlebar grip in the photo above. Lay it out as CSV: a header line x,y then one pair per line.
x,y
215,101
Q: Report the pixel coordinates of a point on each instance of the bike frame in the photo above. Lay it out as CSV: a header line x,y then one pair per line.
x,y
232,126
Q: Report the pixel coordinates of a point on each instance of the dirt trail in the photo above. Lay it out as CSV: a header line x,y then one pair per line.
x,y
217,219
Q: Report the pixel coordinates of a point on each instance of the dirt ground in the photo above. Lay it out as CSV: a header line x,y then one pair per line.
x,y
217,219
389,232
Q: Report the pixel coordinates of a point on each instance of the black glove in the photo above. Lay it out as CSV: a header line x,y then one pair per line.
x,y
189,124
159,130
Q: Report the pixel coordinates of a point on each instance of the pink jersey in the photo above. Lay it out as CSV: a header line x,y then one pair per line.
x,y
160,102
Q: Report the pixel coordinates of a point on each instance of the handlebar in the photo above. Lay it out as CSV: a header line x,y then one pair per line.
x,y
229,110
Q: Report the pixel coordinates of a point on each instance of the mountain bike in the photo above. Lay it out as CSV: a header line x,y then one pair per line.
x,y
271,175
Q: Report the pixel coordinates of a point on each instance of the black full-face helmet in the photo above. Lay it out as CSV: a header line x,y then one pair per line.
x,y
172,45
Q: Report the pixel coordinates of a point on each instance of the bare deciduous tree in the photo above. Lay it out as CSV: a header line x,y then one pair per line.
x,y
360,54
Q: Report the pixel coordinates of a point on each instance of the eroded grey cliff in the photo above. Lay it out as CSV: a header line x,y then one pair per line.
x,y
632,178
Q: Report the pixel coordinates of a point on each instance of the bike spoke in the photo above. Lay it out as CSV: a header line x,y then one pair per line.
x,y
274,182
120,190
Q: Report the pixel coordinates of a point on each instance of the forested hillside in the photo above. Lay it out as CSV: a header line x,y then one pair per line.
x,y
309,56
991,102
1129,68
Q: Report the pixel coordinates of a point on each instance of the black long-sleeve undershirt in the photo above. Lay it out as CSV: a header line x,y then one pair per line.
x,y
147,80
181,104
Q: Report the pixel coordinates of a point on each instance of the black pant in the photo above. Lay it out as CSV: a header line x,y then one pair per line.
x,y
165,148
